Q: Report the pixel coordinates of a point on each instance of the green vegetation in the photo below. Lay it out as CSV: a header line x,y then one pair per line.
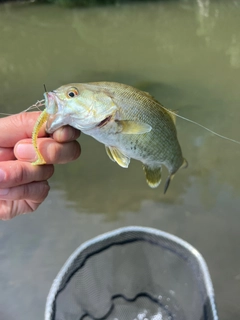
x,y
77,3
83,3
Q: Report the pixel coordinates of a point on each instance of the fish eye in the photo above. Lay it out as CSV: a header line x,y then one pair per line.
x,y
73,92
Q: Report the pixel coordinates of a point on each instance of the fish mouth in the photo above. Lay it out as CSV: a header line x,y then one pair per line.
x,y
104,122
57,118
51,102
54,106
54,122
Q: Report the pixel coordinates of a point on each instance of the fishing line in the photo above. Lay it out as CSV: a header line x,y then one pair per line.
x,y
200,125
41,103
6,114
37,105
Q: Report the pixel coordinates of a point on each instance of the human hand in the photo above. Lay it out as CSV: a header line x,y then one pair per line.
x,y
23,187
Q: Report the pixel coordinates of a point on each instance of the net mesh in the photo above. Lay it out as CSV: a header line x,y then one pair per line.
x,y
133,273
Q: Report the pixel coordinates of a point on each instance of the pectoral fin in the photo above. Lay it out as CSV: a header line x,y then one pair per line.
x,y
153,176
133,127
116,155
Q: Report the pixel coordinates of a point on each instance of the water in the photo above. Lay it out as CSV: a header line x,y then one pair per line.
x,y
186,54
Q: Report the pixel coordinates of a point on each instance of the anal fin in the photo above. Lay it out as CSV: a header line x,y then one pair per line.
x,y
153,176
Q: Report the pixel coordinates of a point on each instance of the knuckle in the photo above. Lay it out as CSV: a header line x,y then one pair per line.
x,y
59,134
26,191
77,150
63,152
66,134
36,191
75,134
16,174
18,120
43,190
7,210
55,152
49,170
5,215
71,133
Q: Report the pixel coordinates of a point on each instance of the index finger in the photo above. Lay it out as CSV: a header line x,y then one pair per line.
x,y
17,127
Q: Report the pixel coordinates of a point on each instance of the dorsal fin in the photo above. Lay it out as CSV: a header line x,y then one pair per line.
x,y
171,113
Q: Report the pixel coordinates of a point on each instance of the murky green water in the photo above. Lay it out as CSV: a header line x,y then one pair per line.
x,y
186,54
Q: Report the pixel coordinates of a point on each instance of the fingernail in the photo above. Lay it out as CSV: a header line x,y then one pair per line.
x,y
4,192
25,151
2,175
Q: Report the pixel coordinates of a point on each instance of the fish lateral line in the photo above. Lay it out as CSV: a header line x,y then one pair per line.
x,y
201,126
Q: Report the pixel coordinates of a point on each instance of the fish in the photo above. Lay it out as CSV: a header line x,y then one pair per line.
x,y
129,122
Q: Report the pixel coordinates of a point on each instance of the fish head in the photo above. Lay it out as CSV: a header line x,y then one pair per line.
x,y
82,106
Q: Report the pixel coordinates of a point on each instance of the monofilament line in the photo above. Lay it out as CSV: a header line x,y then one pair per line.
x,y
198,124
37,105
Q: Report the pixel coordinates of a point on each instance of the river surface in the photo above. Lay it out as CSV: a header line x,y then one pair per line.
x,y
187,55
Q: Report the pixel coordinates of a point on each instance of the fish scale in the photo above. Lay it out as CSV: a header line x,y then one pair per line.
x,y
129,122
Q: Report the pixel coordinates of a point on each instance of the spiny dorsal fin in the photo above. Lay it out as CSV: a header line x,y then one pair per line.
x,y
153,176
171,113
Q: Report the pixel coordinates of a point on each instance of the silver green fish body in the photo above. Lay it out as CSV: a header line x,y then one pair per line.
x,y
129,122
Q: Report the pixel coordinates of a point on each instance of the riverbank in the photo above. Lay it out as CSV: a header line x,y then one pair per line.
x,y
68,3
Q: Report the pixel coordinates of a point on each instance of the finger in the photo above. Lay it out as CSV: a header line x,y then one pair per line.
x,y
23,199
52,151
15,173
34,191
10,209
66,134
6,154
17,127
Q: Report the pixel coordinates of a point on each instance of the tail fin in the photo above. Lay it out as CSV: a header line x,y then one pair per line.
x,y
168,182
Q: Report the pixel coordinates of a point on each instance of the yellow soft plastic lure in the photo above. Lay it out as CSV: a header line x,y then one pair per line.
x,y
40,121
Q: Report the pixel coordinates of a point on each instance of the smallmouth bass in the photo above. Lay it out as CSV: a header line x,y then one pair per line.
x,y
129,122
